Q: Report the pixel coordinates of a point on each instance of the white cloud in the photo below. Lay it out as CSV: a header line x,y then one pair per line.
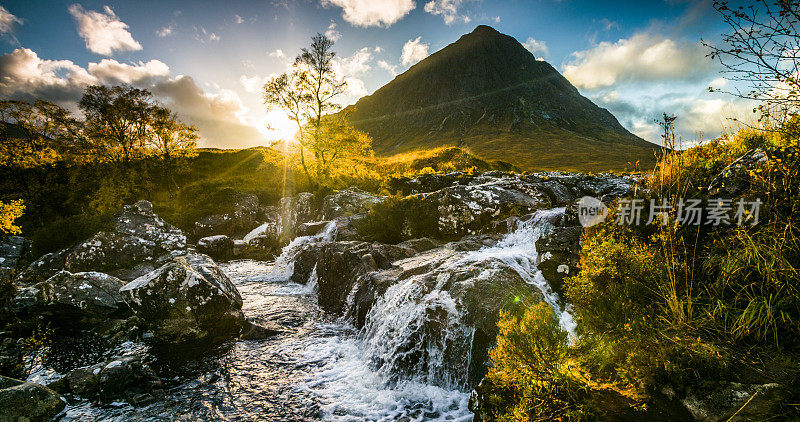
x,y
447,9
356,64
277,54
356,87
221,117
372,12
253,84
113,72
238,19
643,57
165,31
8,21
202,35
414,51
537,48
103,32
25,76
332,33
389,67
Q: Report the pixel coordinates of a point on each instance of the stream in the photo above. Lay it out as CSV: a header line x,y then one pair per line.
x,y
321,368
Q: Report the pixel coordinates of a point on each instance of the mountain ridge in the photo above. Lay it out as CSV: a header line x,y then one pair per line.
x,y
487,93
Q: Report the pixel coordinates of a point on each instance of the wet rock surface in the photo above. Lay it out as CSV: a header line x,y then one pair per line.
x,y
219,247
187,299
84,297
25,401
126,378
139,239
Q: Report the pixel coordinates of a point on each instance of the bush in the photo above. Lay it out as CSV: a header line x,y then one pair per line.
x,y
531,378
400,218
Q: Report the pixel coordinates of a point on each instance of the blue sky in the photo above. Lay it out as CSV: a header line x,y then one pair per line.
x,y
208,59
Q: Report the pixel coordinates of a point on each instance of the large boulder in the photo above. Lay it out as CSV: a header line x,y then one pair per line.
x,y
126,378
11,249
86,297
444,300
734,179
220,247
245,216
295,211
188,298
339,267
43,268
139,239
559,254
27,402
465,209
348,202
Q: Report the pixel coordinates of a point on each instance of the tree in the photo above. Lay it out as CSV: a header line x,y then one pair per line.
x,y
117,119
306,95
37,134
762,50
124,123
170,137
8,213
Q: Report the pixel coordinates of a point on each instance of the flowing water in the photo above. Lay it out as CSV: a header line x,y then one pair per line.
x,y
321,368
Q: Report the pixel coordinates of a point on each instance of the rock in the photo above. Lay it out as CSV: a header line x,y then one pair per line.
x,y
465,209
310,229
122,378
11,249
244,217
139,239
734,179
25,401
339,266
427,182
420,245
254,331
722,401
11,363
88,297
448,290
348,202
188,298
220,247
559,255
43,268
295,211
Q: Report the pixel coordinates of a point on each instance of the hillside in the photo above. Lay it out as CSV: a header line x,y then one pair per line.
x,y
487,93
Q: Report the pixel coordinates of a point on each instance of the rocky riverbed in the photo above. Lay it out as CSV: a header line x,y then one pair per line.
x,y
292,312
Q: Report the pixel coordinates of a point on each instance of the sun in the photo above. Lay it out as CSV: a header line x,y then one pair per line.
x,y
277,126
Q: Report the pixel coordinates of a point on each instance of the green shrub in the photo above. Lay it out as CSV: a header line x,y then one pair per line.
x,y
400,218
531,378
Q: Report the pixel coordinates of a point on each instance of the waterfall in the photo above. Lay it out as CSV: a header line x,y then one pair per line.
x,y
284,265
518,251
412,356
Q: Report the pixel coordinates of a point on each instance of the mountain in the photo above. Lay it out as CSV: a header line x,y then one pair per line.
x,y
487,93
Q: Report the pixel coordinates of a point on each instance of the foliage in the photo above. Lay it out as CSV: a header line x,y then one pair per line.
x,y
325,142
759,50
530,378
400,218
9,212
123,123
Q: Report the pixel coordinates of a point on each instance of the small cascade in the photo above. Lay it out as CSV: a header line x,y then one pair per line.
x,y
411,359
416,333
518,251
284,265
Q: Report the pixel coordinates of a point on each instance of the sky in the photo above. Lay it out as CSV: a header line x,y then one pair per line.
x,y
208,60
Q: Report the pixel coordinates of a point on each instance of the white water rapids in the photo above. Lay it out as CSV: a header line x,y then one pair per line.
x,y
357,372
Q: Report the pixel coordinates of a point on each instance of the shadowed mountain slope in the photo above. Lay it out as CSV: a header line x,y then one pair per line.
x,y
487,93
